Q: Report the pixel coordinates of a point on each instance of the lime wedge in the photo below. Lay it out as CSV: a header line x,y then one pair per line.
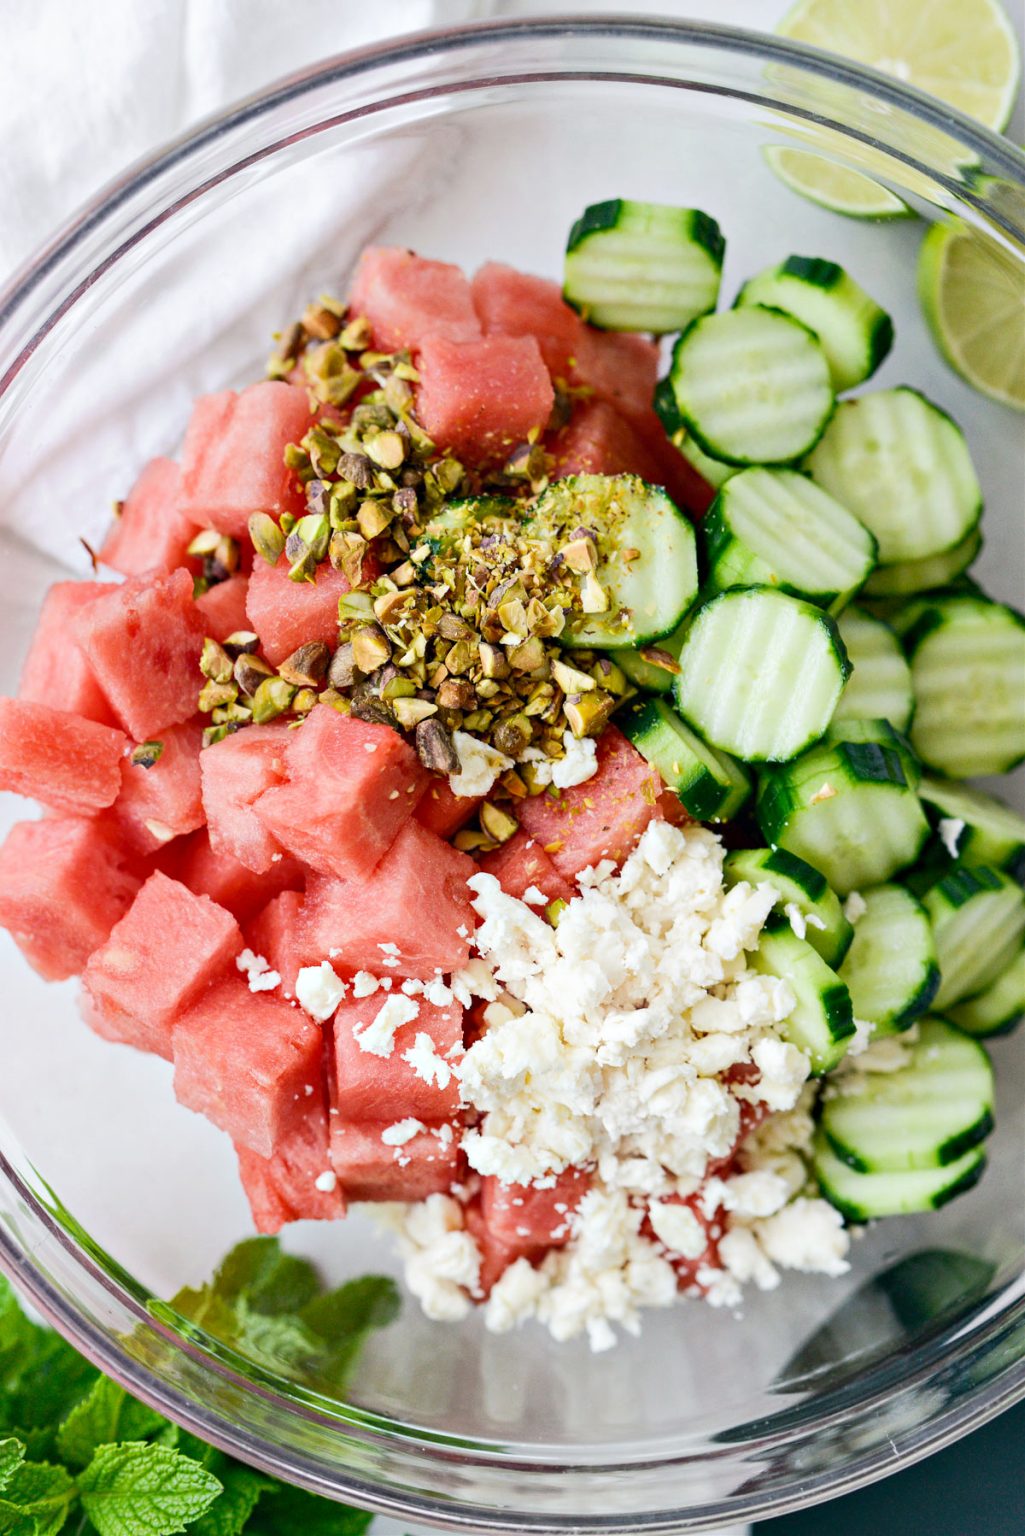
x,y
833,186
962,51
973,296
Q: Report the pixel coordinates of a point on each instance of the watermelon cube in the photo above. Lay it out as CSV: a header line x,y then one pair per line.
x,y
55,667
222,608
603,817
235,773
495,1257
170,946
350,788
371,1087
286,614
620,367
220,876
69,763
64,883
142,640
482,398
521,863
411,917
512,303
597,440
233,456
528,1221
407,298
277,934
297,1181
164,801
370,1169
441,810
152,532
253,1063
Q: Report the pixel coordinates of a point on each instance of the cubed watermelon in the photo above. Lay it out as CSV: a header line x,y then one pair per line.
x,y
482,398
235,773
513,303
152,533
286,614
67,762
64,883
528,1221
441,810
251,1062
521,863
598,441
164,801
603,817
370,1087
142,640
277,934
56,669
231,884
223,607
369,1169
170,946
233,456
620,367
495,1257
416,902
296,1182
407,298
350,788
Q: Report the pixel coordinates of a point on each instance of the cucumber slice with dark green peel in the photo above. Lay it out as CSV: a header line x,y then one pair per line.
x,y
711,786
760,673
884,734
801,888
821,1021
910,576
865,1196
974,827
967,659
891,969
645,594
900,464
777,528
927,1114
455,519
978,919
634,266
655,667
751,386
879,687
853,331
998,1008
848,808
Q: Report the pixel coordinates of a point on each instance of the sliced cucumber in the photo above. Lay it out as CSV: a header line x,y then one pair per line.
x,y
891,970
879,687
760,673
821,1021
711,786
978,827
978,918
751,386
866,1196
778,528
847,807
885,734
968,671
854,333
800,886
646,595
643,266
654,667
902,466
456,518
924,575
997,1008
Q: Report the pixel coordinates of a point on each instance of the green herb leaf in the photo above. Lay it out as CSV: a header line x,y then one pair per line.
x,y
269,1280
12,1454
36,1500
144,1490
41,1377
341,1320
106,1414
291,1512
243,1488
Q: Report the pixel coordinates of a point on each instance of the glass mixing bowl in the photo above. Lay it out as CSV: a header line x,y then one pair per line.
x,y
468,145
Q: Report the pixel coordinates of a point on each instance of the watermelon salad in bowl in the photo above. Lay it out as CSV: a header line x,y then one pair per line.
x,y
506,810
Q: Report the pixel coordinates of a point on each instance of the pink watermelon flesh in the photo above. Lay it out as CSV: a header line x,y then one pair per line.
x,y
688,1270
235,773
443,812
163,802
526,1220
370,1087
69,763
284,1187
482,398
512,303
495,1257
64,883
620,367
142,640
521,863
223,608
286,614
416,899
601,818
152,533
598,441
369,1169
276,935
168,948
229,883
350,789
55,667
407,298
233,456
251,1062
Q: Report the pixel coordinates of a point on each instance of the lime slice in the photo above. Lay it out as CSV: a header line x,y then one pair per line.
x,y
973,295
833,186
962,51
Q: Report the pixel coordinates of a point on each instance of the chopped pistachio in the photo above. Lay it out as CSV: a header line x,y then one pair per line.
x,y
513,734
320,323
240,642
588,713
304,701
452,627
611,677
498,824
343,672
231,714
467,840
493,661
397,393
214,661
528,657
366,705
342,504
373,517
390,606
268,539
250,672
215,733
225,557
347,551
398,687
570,679
356,335
478,720
487,688
357,468
656,657
410,712
456,693
387,449
513,615
334,700
404,575
314,530
555,909
211,695
371,648
147,753
303,567
462,655
593,597
434,747
449,474
580,554
204,543
355,605
271,699
287,520
307,665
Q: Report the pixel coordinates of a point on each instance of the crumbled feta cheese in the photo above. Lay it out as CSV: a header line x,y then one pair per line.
x,y
535,898
427,1064
378,1037
515,1296
796,918
950,829
679,1228
264,981
578,764
861,1039
854,907
742,1256
389,948
319,990
442,1260
326,1182
257,972
364,985
807,1235
402,1131
479,766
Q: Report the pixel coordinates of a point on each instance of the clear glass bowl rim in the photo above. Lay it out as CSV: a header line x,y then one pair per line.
x,y
39,1226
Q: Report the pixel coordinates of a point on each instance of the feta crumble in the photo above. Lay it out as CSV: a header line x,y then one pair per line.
x,y
319,990
378,1037
950,829
479,766
257,971
402,1131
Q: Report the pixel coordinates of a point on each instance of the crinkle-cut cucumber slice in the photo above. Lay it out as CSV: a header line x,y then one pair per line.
x,y
998,1008
801,888
879,687
710,785
978,919
821,1021
910,576
976,827
633,266
891,968
866,1196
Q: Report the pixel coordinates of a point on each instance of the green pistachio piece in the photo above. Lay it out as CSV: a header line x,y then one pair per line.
x,y
214,662
268,539
272,698
147,753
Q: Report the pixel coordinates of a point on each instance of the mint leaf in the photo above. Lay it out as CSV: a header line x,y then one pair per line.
x,y
106,1414
12,1454
270,1281
341,1320
291,1512
36,1500
229,1514
144,1490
